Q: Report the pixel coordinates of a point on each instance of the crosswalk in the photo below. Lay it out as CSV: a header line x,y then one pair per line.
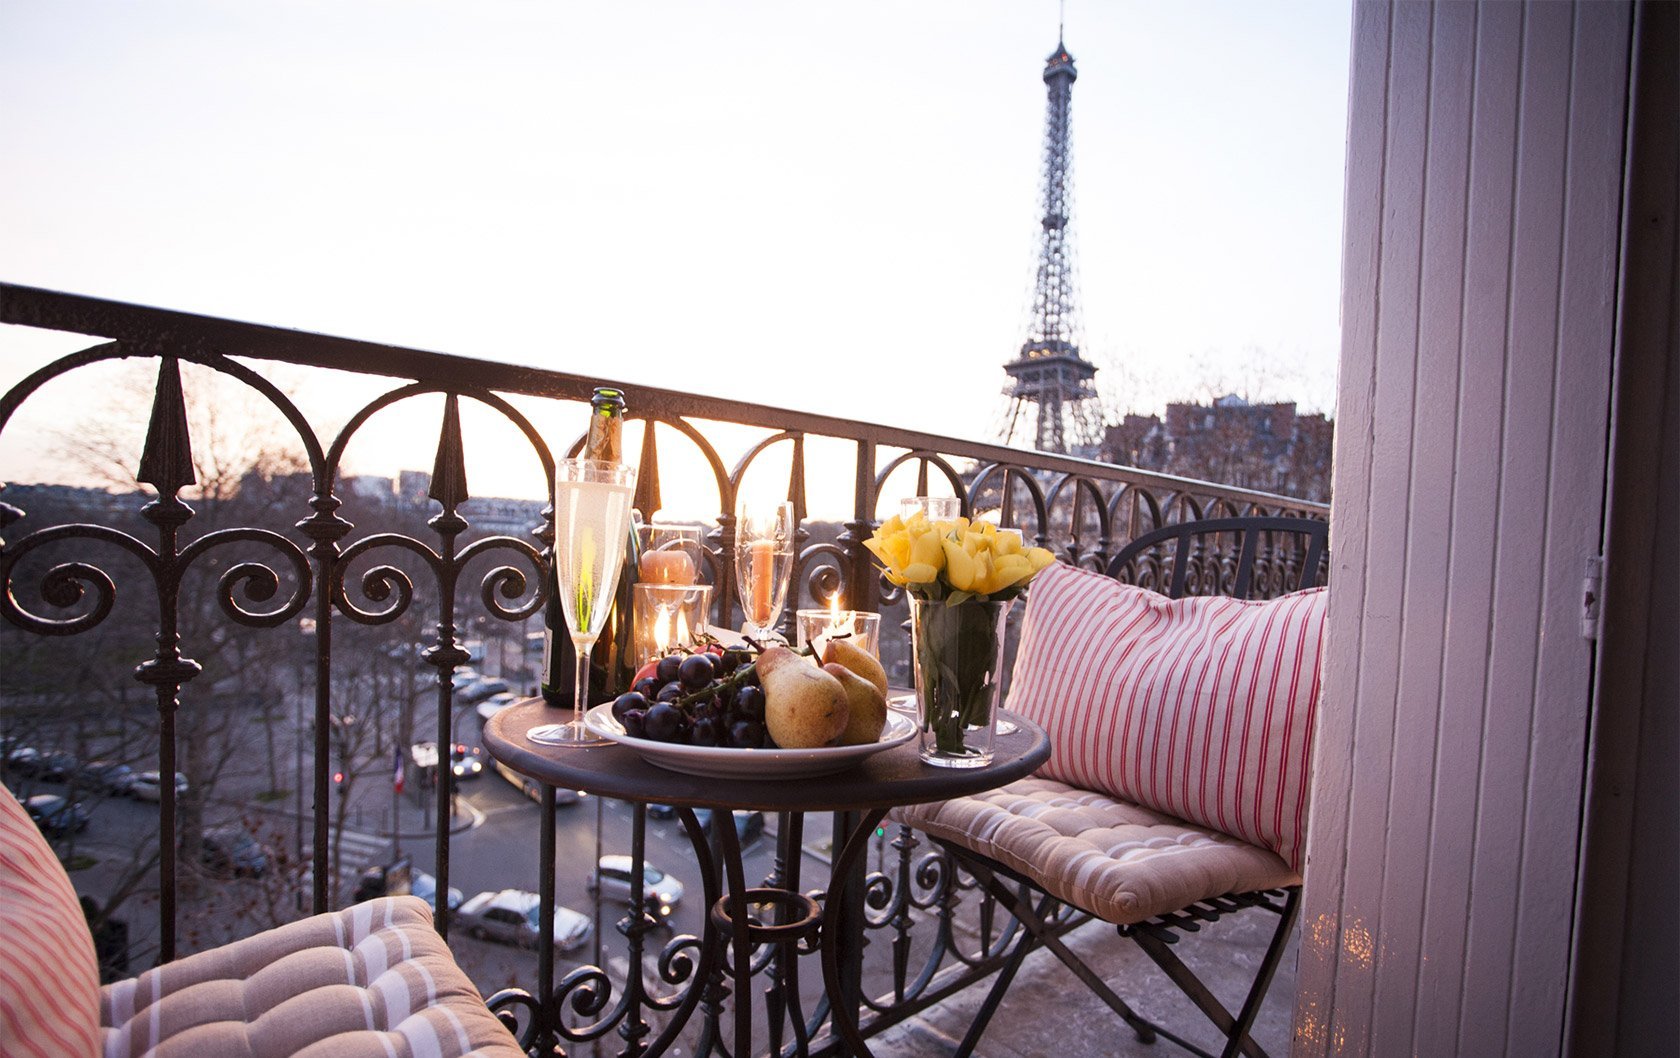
x,y
356,852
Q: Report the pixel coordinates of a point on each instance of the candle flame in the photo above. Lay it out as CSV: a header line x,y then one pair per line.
x,y
662,631
682,628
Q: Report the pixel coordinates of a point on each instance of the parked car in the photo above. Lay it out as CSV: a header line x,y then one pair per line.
x,y
372,885
107,777
748,825
532,789
23,760
461,677
514,916
495,704
612,877
480,689
55,765
57,815
231,851
148,786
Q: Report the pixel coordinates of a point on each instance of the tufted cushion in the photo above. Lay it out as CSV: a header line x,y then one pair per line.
x,y
1119,861
1199,708
49,976
374,979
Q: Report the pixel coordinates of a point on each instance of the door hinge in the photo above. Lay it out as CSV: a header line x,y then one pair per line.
x,y
1592,588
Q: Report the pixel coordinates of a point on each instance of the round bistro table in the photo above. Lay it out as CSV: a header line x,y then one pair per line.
x,y
869,789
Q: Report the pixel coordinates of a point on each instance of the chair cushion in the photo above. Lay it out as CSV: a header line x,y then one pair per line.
x,y
372,980
1199,708
49,975
1121,862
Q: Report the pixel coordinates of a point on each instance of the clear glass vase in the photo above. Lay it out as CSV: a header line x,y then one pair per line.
x,y
958,652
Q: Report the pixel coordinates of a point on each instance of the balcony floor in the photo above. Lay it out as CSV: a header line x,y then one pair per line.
x,y
1048,1013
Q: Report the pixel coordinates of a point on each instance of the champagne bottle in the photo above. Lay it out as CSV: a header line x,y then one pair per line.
x,y
612,660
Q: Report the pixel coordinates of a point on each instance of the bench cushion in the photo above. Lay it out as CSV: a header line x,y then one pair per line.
x,y
372,980
49,976
1199,708
1121,862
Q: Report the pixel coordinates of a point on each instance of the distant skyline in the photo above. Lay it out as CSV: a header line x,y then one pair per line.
x,y
823,207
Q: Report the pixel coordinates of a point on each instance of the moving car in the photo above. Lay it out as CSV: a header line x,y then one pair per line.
x,y
147,786
56,815
230,851
514,916
612,877
466,762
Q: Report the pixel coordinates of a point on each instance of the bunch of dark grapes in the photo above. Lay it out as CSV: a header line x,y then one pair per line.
x,y
703,699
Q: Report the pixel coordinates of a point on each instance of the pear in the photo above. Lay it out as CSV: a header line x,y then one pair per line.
x,y
804,707
860,661
866,713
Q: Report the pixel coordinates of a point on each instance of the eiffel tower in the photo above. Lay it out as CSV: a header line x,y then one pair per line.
x,y
1053,400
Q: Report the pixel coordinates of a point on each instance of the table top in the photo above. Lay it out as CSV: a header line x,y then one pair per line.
x,y
888,779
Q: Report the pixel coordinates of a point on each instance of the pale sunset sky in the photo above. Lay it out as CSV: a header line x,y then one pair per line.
x,y
823,206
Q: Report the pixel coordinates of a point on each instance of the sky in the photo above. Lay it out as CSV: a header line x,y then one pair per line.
x,y
830,207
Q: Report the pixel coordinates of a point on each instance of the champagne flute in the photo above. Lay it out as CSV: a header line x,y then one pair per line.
x,y
763,561
591,524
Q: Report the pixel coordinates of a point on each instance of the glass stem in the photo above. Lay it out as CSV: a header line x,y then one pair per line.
x,y
580,689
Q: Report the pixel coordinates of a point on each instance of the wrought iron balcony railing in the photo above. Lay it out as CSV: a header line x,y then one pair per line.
x,y
211,581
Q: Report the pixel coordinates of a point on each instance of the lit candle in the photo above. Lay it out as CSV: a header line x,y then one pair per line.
x,y
841,623
682,629
666,567
763,565
662,632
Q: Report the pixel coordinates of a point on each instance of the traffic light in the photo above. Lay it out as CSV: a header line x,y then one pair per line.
x,y
338,781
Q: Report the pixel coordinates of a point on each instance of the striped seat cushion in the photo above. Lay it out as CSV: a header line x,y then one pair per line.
x,y
1121,862
49,976
372,981
1199,708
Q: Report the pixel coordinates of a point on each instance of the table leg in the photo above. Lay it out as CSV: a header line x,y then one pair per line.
x,y
838,937
740,945
549,1017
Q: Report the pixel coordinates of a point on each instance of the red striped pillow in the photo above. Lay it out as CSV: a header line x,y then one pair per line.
x,y
1201,708
49,977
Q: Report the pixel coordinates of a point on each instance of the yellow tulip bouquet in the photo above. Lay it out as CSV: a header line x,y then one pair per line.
x,y
962,577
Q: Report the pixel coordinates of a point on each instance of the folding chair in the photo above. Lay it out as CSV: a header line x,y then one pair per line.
x,y
1038,842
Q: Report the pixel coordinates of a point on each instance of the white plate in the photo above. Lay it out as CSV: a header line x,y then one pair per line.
x,y
719,763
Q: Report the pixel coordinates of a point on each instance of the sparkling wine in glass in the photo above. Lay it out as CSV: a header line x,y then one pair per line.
x,y
763,562
591,524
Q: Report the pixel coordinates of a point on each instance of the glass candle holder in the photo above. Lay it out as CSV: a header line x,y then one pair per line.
x,y
667,617
817,627
670,553
937,508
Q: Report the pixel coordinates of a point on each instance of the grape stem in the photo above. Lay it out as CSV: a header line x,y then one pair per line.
x,y
736,678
